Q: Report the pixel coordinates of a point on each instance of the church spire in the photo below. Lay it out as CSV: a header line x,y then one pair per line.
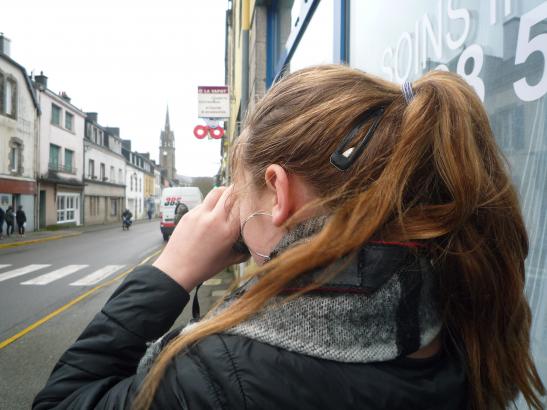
x,y
167,125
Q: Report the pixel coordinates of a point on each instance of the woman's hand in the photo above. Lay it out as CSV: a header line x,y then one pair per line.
x,y
201,245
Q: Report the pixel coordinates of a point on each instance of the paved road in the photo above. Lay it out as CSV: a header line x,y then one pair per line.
x,y
37,279
26,363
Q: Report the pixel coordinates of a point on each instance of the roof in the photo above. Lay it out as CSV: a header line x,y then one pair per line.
x,y
26,77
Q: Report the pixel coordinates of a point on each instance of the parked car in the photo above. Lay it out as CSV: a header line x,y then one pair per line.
x,y
190,196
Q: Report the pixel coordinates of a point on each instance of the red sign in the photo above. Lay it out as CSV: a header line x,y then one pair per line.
x,y
200,131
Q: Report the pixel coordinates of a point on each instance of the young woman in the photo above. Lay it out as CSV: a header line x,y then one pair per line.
x,y
390,253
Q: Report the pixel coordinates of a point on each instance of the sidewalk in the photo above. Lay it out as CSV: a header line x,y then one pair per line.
x,y
44,235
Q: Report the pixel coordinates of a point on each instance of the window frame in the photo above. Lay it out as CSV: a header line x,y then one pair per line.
x,y
56,108
71,116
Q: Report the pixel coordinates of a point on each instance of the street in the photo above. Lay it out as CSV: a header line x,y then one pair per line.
x,y
37,281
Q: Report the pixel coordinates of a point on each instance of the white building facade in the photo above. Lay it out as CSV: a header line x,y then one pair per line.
x,y
60,170
19,113
104,173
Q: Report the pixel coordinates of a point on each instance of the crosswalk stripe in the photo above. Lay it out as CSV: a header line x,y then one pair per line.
x,y
54,275
4,266
97,276
21,271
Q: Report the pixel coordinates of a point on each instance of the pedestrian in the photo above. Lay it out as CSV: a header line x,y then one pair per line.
x,y
2,217
385,276
21,219
10,221
180,210
149,212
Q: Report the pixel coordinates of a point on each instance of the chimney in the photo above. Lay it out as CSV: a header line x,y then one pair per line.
x,y
40,81
64,96
5,44
92,116
115,131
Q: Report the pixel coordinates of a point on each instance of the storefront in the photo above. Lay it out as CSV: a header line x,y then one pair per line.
x,y
19,192
498,46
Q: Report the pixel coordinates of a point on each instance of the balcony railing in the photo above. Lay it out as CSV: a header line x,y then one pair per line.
x,y
66,168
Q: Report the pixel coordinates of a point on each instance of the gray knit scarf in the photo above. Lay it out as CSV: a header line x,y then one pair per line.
x,y
381,304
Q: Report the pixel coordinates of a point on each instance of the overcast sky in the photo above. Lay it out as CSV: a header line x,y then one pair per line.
x,y
127,60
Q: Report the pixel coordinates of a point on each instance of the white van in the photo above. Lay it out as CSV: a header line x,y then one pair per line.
x,y
190,196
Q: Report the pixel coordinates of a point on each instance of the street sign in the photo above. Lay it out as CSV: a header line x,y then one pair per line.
x,y
213,102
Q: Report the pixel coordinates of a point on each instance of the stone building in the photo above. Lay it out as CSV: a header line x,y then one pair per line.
x,y
104,176
60,171
167,150
19,113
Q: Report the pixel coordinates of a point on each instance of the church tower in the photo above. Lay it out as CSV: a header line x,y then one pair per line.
x,y
167,150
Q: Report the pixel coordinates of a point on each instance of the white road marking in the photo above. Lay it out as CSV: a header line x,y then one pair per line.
x,y
97,276
54,275
21,271
4,266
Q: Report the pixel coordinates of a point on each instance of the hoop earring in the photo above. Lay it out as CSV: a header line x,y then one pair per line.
x,y
257,213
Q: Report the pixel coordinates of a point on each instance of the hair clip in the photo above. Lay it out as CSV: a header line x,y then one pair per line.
x,y
343,158
408,93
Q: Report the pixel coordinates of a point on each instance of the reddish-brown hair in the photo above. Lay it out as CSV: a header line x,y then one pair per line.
x,y
432,173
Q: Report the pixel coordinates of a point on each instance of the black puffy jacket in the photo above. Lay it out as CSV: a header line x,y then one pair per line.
x,y
230,372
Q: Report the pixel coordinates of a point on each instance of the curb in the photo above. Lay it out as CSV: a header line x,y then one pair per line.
x,y
38,240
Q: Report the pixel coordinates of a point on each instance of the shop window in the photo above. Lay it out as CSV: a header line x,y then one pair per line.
x,y
67,208
69,121
113,207
54,151
499,49
55,115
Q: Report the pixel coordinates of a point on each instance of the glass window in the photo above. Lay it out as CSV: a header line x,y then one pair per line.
x,y
67,207
500,49
69,160
112,172
113,207
120,176
15,157
10,97
55,115
102,172
91,168
54,157
69,121
319,31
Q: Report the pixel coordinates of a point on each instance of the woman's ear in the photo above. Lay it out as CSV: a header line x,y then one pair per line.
x,y
278,183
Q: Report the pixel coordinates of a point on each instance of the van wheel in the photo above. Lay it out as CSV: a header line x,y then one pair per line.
x,y
165,237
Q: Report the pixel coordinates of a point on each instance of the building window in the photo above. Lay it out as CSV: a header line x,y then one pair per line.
x,y
91,169
112,174
55,115
15,153
131,178
69,161
9,99
120,176
69,121
54,162
68,206
94,135
102,172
